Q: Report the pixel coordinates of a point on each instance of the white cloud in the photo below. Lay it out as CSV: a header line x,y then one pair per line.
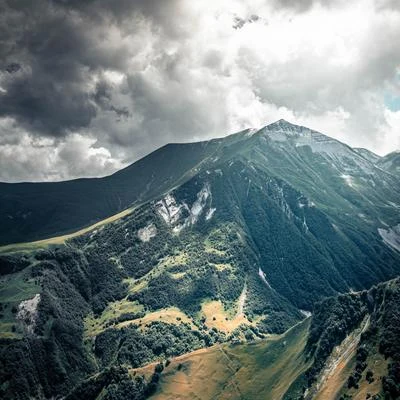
x,y
28,158
192,74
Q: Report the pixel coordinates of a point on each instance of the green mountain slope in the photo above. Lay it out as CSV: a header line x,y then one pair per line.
x,y
354,344
230,240
33,211
311,162
349,349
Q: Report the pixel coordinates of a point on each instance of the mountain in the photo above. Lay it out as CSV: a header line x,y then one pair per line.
x,y
369,155
33,211
230,240
391,163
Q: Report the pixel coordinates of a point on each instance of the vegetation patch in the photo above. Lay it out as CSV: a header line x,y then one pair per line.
x,y
171,315
112,316
14,289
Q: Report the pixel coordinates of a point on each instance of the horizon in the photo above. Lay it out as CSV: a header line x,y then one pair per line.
x,y
197,141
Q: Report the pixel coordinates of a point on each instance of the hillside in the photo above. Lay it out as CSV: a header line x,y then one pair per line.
x,y
390,163
324,357
227,241
34,211
305,158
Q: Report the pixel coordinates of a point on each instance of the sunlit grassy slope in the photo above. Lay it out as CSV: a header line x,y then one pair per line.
x,y
260,370
56,240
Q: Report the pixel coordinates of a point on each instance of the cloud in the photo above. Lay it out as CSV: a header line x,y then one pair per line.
x,y
113,80
45,159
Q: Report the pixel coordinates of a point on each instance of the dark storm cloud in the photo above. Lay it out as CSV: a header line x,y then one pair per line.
x,y
86,86
48,93
13,67
162,12
301,6
51,52
103,97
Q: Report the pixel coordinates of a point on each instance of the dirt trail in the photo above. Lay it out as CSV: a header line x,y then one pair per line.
x,y
241,301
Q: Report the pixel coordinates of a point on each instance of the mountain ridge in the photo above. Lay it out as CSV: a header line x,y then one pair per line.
x,y
76,204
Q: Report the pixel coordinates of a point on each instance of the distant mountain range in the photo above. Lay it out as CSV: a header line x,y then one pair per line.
x,y
226,241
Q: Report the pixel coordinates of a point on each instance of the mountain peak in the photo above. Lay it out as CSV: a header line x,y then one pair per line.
x,y
281,123
286,127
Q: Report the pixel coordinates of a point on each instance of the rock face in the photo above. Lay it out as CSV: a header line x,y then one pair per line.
x,y
391,236
148,232
28,313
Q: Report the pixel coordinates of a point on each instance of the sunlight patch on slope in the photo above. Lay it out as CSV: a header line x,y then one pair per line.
x,y
170,315
260,370
226,320
29,246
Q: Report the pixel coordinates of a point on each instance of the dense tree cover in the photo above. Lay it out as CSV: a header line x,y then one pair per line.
x,y
333,319
261,300
306,254
385,331
135,347
361,357
10,263
116,384
52,358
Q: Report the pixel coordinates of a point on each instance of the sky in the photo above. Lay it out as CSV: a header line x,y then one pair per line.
x,y
88,87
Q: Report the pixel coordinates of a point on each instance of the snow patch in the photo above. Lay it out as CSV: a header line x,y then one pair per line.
x,y
210,213
28,313
146,233
391,236
251,132
306,313
348,179
261,274
278,136
248,188
305,226
199,204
